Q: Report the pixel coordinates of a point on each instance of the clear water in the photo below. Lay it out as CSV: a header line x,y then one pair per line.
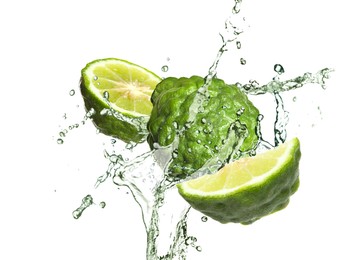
x,y
154,191
87,201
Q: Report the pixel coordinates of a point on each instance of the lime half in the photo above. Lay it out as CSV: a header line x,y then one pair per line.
x,y
247,189
119,93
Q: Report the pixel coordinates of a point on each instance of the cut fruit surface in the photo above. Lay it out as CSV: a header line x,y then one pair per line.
x,y
119,92
249,188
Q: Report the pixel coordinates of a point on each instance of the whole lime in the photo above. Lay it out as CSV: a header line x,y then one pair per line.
x,y
197,133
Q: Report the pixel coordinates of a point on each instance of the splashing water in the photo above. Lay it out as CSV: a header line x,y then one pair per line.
x,y
65,131
87,201
155,192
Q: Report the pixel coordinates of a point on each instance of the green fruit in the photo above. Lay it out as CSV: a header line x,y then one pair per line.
x,y
206,136
247,189
129,87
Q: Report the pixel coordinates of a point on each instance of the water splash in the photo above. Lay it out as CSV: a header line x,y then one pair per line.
x,y
154,194
277,86
281,121
153,190
87,201
65,131
139,122
202,96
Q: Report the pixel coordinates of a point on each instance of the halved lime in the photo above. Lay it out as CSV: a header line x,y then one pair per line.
x,y
247,189
119,92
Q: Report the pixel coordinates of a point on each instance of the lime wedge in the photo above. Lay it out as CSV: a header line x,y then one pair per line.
x,y
119,93
247,189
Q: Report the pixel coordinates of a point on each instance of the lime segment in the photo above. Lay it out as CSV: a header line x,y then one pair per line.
x,y
249,188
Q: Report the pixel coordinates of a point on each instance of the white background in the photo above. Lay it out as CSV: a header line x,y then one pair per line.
x,y
45,44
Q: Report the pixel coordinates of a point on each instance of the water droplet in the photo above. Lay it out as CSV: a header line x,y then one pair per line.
x,y
276,78
190,240
175,154
106,95
104,112
62,134
238,85
86,202
60,141
187,125
64,116
252,152
279,69
175,125
247,87
189,150
240,111
243,61
95,78
294,99
260,117
89,113
113,141
237,7
238,44
253,83
102,204
72,92
203,121
199,248
198,141
164,68
204,219
71,127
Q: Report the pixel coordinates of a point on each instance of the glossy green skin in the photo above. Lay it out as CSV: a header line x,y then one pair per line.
x,y
172,100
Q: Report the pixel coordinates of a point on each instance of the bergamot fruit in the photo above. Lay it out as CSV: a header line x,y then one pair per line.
x,y
249,188
224,119
119,93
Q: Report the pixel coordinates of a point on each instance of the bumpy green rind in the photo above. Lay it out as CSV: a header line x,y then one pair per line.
x,y
107,123
251,204
172,99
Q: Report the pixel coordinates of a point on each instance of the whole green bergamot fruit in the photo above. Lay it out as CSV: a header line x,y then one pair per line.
x,y
199,135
